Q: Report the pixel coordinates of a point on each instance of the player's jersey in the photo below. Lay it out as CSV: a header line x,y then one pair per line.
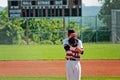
x,y
70,53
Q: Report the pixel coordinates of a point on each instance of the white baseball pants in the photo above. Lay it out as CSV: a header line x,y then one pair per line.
x,y
73,70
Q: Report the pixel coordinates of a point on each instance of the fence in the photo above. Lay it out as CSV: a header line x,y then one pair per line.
x,y
53,31
95,30
116,26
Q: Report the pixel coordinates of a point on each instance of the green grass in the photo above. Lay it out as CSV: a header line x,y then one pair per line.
x,y
57,78
31,52
38,52
102,51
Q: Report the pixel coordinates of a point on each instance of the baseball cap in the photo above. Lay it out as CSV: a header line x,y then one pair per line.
x,y
72,33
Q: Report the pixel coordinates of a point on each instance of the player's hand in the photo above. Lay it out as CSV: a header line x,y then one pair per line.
x,y
80,50
77,50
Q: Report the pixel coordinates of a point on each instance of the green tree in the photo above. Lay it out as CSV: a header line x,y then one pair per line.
x,y
10,29
104,34
44,29
88,34
105,12
5,35
3,18
17,31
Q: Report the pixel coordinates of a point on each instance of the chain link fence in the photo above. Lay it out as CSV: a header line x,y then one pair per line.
x,y
116,26
95,30
88,28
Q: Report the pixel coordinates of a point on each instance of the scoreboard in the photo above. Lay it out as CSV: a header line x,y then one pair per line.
x,y
44,8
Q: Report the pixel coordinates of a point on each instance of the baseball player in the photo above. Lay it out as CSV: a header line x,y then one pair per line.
x,y
73,48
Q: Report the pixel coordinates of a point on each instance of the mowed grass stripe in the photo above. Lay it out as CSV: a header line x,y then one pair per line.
x,y
31,52
57,78
53,52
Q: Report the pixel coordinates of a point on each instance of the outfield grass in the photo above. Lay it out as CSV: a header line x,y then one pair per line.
x,y
57,78
101,51
38,52
31,52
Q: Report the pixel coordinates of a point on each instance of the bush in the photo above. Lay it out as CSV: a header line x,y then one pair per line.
x,y
58,42
20,42
46,42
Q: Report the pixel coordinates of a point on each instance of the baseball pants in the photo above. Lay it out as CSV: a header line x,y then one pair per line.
x,y
73,70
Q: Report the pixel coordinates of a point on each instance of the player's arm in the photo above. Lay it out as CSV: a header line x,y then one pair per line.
x,y
65,44
66,47
79,50
68,52
80,47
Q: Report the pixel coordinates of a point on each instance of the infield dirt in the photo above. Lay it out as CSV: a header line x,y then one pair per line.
x,y
57,68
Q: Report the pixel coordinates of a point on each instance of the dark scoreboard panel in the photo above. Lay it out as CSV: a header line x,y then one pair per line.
x,y
44,8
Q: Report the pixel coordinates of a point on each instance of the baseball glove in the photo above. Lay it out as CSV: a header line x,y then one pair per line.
x,y
73,42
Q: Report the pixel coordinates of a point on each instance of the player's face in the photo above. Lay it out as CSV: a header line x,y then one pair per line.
x,y
73,35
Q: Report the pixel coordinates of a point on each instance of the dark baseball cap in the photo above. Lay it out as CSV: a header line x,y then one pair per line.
x,y
71,31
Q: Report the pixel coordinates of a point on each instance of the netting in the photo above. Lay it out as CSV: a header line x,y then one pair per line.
x,y
115,26
54,30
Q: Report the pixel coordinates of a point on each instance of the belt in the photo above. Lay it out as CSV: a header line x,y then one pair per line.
x,y
71,59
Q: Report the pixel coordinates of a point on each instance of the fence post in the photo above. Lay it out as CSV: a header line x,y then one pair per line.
x,y
96,29
64,28
81,30
68,22
27,28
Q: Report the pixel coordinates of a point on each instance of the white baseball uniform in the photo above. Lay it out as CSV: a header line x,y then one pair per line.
x,y
73,67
